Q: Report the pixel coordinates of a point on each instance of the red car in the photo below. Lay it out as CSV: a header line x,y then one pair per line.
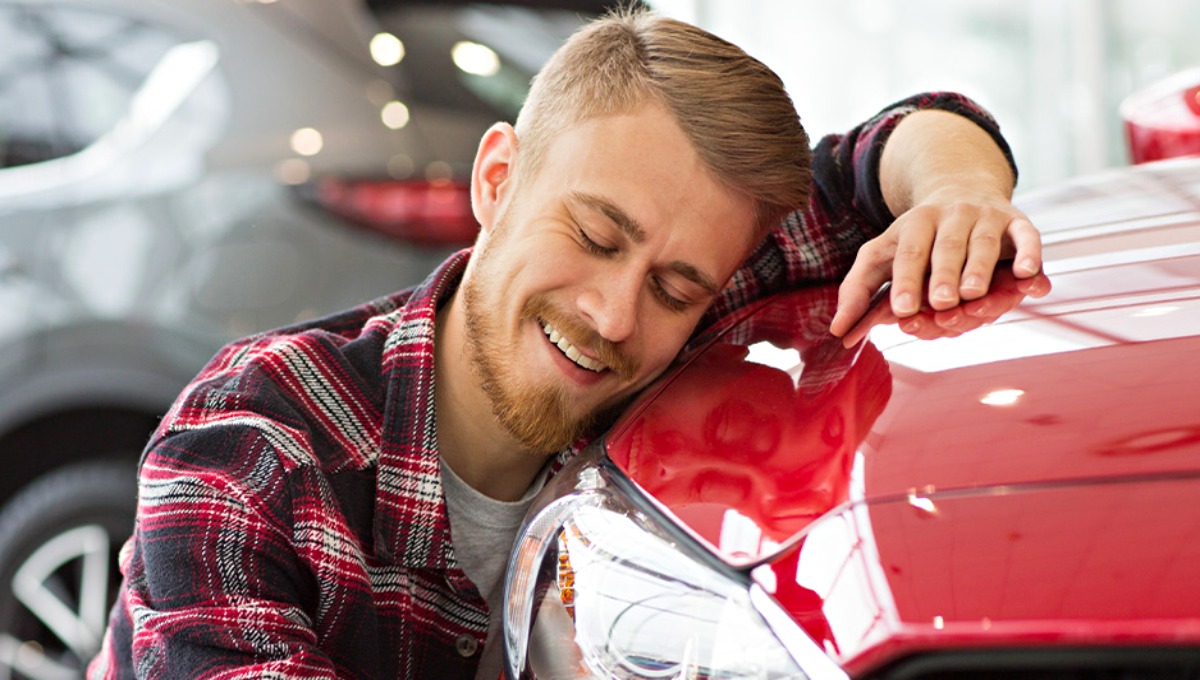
x,y
1022,501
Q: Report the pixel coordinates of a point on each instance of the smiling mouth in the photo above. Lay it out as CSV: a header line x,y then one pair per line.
x,y
565,346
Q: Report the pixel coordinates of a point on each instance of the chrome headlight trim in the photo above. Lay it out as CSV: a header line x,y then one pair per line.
x,y
590,485
536,537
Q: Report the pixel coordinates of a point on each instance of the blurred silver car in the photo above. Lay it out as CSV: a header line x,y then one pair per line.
x,y
176,173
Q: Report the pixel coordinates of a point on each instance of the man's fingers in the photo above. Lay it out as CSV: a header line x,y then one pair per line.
x,y
949,254
1028,242
983,253
911,261
871,269
953,249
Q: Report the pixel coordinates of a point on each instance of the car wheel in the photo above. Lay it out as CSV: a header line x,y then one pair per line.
x,y
59,539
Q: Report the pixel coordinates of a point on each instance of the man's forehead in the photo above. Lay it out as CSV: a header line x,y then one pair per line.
x,y
641,172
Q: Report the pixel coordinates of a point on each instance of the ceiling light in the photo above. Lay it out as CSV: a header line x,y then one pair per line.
x,y
476,59
386,49
394,115
307,141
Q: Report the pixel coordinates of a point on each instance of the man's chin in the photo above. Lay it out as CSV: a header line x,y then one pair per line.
x,y
544,442
548,429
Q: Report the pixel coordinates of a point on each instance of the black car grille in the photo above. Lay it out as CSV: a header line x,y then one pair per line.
x,y
1049,664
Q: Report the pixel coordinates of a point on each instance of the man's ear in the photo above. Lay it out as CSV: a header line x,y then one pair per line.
x,y
492,174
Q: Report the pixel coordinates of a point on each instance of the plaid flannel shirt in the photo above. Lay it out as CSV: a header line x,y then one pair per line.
x,y
291,521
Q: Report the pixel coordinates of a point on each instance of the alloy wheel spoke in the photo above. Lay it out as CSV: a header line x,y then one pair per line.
x,y
81,624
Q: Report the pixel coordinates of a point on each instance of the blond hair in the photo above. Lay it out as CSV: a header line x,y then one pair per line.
x,y
733,109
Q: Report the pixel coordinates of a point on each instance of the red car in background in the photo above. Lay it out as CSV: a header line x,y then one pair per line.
x,y
1022,501
1163,120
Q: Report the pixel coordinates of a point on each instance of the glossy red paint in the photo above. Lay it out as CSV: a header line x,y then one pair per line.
x,y
1094,564
1032,483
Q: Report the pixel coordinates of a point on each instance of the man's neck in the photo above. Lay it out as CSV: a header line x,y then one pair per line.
x,y
470,439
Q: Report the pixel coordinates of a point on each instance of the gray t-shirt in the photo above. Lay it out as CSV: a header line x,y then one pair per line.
x,y
483,530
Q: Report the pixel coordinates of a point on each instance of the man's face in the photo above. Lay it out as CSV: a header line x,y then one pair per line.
x,y
595,272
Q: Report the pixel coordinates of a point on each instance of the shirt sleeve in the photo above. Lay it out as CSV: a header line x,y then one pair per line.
x,y
213,583
818,244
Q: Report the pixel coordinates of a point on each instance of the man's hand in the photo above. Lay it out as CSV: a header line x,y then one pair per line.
x,y
951,186
1004,293
956,243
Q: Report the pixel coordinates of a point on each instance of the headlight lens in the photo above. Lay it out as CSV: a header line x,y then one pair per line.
x,y
596,588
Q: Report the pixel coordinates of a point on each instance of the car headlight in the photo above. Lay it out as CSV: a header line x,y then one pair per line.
x,y
598,586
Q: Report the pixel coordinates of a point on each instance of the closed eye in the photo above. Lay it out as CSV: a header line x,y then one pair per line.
x,y
670,301
591,245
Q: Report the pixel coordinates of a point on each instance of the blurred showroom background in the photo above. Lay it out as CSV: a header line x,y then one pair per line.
x,y
178,173
1054,72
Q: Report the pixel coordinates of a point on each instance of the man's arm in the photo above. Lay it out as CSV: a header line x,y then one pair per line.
x,y
849,208
212,583
951,186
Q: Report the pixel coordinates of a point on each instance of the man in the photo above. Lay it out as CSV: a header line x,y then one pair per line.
x,y
337,499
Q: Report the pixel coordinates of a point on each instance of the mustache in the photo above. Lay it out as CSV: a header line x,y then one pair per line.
x,y
578,333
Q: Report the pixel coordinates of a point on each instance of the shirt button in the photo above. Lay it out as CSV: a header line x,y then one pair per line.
x,y
466,645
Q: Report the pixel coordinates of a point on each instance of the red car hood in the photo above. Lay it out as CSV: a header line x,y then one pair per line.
x,y
1034,480
1085,565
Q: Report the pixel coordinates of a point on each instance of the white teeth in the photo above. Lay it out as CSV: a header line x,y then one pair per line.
x,y
572,353
568,349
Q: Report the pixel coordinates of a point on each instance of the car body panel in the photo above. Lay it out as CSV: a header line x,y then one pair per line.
x,y
1091,564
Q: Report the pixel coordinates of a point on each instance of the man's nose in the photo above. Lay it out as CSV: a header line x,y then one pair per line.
x,y
611,304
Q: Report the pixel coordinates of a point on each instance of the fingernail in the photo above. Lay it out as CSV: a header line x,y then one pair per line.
x,y
943,293
904,304
973,282
911,326
952,321
1028,266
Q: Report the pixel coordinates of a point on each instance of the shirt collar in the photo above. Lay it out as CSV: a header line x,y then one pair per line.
x,y
411,525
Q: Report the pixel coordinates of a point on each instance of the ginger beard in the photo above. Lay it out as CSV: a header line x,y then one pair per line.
x,y
539,417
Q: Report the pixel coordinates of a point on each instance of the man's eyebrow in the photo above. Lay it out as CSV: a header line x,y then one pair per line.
x,y
694,275
610,210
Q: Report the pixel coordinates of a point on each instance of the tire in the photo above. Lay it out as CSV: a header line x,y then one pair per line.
x,y
59,539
